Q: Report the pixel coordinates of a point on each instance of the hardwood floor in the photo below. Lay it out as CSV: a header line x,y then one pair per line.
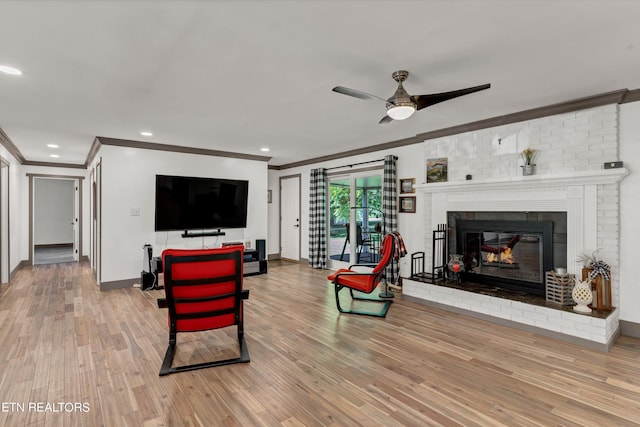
x,y
72,355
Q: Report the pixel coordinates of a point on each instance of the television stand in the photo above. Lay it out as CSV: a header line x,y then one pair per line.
x,y
253,264
203,234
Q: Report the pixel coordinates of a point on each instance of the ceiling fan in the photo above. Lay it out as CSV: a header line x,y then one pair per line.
x,y
402,105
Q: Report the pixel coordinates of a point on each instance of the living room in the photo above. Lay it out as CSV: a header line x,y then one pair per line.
x,y
261,109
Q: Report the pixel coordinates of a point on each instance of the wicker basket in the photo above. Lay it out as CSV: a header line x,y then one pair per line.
x,y
559,287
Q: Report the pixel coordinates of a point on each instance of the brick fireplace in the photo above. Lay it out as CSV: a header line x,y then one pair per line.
x,y
589,200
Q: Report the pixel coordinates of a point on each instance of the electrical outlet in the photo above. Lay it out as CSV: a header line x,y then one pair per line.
x,y
134,212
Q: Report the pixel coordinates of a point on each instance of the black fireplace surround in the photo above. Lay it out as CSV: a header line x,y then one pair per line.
x,y
513,255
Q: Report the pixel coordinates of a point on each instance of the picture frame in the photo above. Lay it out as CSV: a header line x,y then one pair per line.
x,y
407,204
437,169
406,185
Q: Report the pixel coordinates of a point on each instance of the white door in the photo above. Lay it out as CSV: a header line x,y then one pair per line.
x,y
290,218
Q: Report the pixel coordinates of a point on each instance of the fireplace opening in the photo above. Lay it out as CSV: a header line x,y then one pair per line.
x,y
508,250
512,254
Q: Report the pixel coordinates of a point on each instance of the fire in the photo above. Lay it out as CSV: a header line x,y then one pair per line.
x,y
506,256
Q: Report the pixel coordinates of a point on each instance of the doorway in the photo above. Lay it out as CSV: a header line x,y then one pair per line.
x,y
55,230
290,217
355,218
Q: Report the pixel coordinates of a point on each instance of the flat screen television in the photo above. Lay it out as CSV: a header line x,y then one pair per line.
x,y
190,203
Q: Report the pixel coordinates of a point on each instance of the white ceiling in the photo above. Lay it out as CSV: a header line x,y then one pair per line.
x,y
241,75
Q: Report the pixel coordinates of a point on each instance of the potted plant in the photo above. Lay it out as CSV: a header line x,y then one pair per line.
x,y
528,156
598,272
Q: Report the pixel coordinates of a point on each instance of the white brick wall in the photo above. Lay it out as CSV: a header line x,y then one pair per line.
x,y
577,325
565,143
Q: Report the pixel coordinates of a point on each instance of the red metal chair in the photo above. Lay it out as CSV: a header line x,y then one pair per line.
x,y
365,282
203,289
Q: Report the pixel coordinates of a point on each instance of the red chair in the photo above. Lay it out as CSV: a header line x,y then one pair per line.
x,y
203,289
365,282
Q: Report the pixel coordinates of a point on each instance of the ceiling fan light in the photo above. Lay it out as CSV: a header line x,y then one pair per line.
x,y
401,112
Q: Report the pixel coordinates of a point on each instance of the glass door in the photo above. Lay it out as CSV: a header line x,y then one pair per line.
x,y
339,215
355,218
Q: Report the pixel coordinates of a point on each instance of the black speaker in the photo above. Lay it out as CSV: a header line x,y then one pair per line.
x,y
261,246
148,280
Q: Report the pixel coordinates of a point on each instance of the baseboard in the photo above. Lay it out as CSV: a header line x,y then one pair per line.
x,y
22,264
54,245
271,257
630,329
118,284
516,325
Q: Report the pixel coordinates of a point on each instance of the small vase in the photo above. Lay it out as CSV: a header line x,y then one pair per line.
x,y
527,170
582,295
455,267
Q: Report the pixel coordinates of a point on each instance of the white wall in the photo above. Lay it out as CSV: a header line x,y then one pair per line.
x,y
128,181
273,212
53,211
629,208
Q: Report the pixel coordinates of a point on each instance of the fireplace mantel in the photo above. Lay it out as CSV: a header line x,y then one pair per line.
x,y
575,193
590,177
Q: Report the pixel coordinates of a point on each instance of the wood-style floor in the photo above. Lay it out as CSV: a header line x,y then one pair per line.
x,y
74,356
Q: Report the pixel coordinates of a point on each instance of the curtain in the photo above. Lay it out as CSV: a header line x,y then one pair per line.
x,y
317,219
390,209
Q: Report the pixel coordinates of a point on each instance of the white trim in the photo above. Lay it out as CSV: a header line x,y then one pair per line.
x,y
601,176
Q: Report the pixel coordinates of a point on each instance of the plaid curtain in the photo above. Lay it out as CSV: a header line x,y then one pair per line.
x,y
390,208
317,219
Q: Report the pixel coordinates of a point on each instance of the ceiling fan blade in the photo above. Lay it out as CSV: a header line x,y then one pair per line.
x,y
423,101
358,94
385,119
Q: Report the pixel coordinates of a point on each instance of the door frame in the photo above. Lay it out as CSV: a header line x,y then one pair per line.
x,y
299,178
5,187
77,208
352,175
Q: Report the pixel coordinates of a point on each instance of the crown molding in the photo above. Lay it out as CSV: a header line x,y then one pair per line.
x,y
54,165
11,148
174,149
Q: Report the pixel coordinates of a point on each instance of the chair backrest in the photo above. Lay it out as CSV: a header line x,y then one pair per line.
x,y
359,239
203,287
386,252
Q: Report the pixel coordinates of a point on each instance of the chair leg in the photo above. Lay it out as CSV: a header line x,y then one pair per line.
x,y
166,368
346,240
381,313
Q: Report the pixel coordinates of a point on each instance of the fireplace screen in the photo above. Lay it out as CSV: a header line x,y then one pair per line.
x,y
508,255
511,253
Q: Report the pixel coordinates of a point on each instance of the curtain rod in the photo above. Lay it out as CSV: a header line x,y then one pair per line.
x,y
357,164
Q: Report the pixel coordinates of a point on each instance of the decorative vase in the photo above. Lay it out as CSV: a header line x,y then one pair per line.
x,y
456,266
582,295
601,291
527,169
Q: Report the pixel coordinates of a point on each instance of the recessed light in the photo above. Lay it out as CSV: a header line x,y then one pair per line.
x,y
10,70
264,149
52,145
55,156
146,133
